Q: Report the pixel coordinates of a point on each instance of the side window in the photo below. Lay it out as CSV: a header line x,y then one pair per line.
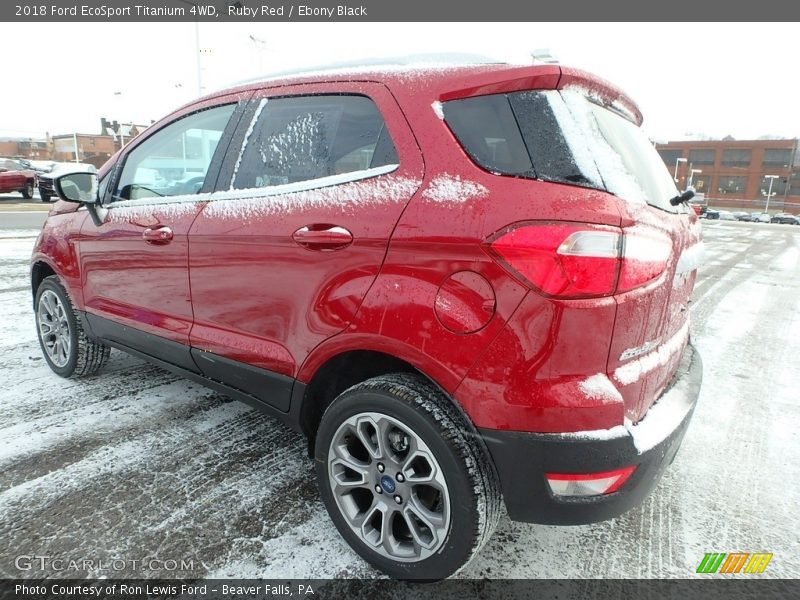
x,y
175,160
308,137
102,185
487,130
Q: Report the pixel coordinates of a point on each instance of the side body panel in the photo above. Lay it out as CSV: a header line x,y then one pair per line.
x,y
262,298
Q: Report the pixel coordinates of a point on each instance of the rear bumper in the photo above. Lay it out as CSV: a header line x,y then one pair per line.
x,y
522,459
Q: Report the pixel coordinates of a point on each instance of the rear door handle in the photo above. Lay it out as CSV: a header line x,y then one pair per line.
x,y
157,235
323,237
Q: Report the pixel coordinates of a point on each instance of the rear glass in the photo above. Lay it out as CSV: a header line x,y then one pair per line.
x,y
563,137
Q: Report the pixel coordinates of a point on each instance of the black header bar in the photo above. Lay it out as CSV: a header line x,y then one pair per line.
x,y
678,11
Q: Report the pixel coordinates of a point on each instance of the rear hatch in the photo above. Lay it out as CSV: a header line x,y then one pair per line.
x,y
587,134
651,329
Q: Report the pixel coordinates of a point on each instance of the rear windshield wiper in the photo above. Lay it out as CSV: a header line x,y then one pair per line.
x,y
684,197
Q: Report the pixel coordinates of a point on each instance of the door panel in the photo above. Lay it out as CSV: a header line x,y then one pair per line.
x,y
284,262
135,263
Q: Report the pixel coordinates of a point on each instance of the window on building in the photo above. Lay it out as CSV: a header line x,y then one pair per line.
x,y
794,184
310,137
702,184
778,186
706,156
728,184
777,157
670,156
736,157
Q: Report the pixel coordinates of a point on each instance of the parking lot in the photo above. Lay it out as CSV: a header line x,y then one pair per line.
x,y
137,463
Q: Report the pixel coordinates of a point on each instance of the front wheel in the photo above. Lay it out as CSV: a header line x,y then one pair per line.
x,y
405,478
44,196
66,348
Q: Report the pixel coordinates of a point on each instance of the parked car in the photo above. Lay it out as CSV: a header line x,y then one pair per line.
x,y
710,213
429,276
785,218
726,215
42,166
14,177
761,217
741,215
46,192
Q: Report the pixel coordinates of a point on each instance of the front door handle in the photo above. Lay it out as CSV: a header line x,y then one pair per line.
x,y
157,235
323,237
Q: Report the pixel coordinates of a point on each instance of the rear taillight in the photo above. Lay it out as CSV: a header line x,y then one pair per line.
x,y
568,260
588,484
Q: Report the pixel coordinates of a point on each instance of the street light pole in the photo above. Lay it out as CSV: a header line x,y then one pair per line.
x,y
678,160
691,176
769,191
196,47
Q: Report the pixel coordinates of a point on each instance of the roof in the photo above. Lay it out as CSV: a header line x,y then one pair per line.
x,y
444,80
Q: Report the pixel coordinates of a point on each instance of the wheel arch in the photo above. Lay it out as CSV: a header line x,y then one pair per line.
x,y
40,269
329,375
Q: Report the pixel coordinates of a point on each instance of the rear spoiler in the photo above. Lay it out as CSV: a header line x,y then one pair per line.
x,y
545,77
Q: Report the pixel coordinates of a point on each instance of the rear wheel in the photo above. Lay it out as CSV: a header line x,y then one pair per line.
x,y
27,193
66,348
404,477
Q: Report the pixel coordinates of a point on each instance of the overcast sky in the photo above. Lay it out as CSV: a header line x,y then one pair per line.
x,y
714,79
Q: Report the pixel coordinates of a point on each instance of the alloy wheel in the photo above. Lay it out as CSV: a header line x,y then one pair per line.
x,y
389,487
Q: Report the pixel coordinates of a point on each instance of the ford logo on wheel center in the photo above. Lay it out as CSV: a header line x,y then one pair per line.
x,y
388,485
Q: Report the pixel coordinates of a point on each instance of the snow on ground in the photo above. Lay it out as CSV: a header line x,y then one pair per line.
x,y
137,463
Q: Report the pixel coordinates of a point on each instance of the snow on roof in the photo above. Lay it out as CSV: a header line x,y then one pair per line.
x,y
411,62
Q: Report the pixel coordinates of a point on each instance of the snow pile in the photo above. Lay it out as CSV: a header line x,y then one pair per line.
x,y
599,387
692,258
450,188
664,416
438,109
168,208
596,435
636,369
575,137
618,180
346,191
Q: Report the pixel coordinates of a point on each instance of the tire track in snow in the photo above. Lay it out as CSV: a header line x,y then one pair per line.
x,y
730,440
196,484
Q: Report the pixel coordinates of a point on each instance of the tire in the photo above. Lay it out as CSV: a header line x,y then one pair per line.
x,y
65,346
27,193
436,464
44,196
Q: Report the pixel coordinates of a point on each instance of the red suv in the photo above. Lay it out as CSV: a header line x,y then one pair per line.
x,y
464,285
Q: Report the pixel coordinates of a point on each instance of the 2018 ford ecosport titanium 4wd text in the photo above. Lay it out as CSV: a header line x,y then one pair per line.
x,y
465,285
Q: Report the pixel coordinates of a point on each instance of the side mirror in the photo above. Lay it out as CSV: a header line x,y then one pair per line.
x,y
77,187
81,188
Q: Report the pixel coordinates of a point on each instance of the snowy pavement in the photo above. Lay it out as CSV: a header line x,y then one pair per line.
x,y
137,463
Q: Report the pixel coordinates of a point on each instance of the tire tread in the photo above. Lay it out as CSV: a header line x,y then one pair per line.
x,y
458,431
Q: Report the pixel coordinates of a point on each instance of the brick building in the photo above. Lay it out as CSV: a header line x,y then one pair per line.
x,y
734,172
22,147
92,148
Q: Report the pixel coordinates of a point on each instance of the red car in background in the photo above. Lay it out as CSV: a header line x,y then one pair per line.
x,y
465,285
16,178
